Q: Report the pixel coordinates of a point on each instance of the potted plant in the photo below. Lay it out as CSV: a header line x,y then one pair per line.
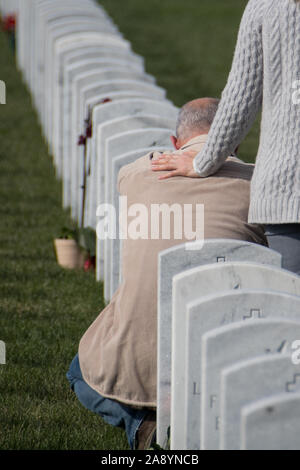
x,y
76,248
68,252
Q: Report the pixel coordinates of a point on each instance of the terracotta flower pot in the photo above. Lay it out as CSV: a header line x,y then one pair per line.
x,y
68,254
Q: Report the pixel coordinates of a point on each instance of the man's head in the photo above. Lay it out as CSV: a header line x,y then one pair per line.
x,y
195,118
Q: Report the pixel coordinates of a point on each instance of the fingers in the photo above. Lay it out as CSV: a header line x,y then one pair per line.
x,y
175,165
163,166
170,175
163,161
165,157
166,163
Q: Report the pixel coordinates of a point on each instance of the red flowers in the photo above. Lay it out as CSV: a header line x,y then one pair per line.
x,y
90,264
81,140
9,23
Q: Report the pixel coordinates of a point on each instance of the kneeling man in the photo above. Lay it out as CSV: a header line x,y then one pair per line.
x,y
114,373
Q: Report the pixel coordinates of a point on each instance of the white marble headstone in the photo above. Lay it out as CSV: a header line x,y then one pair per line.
x,y
62,90
189,287
46,70
2,352
80,108
96,74
69,42
47,79
90,84
249,381
272,423
114,147
226,345
176,260
108,130
101,116
49,17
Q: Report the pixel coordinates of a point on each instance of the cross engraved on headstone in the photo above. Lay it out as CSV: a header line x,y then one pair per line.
x,y
294,386
196,389
254,313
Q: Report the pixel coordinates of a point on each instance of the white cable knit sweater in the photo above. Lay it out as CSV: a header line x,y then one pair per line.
x,y
265,70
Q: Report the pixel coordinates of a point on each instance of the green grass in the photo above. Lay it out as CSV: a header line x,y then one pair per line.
x,y
44,310
188,46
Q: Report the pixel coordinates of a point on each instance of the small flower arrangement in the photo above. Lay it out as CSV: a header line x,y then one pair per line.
x,y
9,27
9,23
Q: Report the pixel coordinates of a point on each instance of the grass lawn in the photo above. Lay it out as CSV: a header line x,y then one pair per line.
x,y
44,310
188,46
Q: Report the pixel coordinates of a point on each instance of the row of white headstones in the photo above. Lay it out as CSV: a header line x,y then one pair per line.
x,y
228,315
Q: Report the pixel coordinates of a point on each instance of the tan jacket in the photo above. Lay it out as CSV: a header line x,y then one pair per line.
x,y
117,353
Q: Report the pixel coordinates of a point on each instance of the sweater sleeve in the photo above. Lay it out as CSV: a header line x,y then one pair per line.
x,y
241,98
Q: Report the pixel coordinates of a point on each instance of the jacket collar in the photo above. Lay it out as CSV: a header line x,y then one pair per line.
x,y
197,144
197,141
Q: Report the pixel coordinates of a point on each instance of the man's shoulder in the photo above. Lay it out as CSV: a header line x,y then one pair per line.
x,y
232,168
140,165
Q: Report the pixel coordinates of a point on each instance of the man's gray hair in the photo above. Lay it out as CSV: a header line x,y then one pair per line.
x,y
195,118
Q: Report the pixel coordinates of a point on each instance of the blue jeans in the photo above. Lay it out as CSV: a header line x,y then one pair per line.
x,y
285,238
113,412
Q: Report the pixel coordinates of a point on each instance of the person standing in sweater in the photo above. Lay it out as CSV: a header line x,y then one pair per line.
x,y
265,72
